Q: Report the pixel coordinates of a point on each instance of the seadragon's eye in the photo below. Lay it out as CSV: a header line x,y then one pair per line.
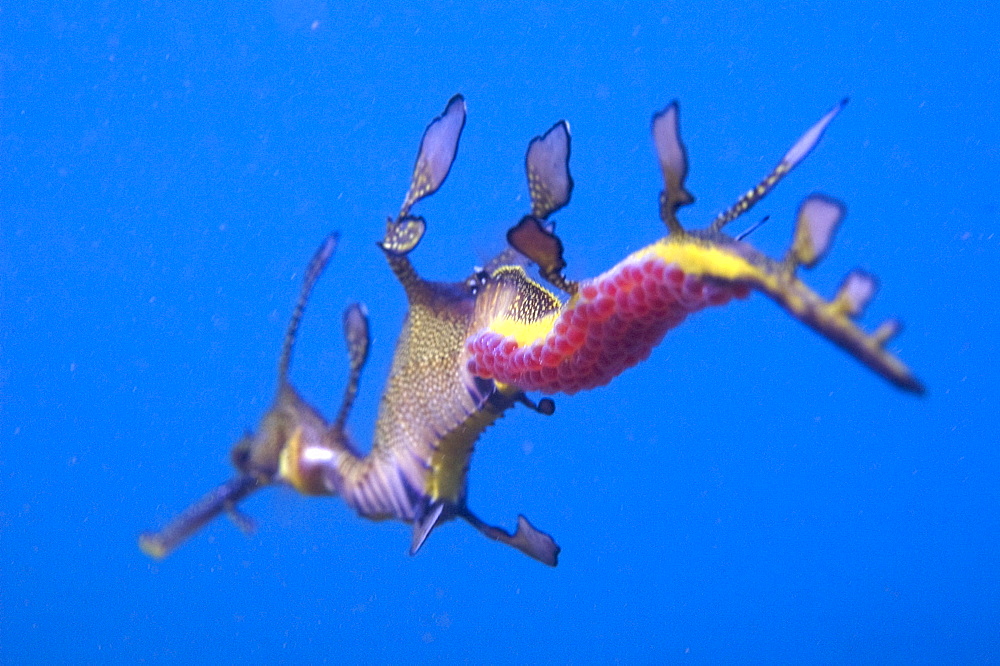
x,y
477,281
240,455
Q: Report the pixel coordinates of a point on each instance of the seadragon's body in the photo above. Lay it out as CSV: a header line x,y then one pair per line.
x,y
470,350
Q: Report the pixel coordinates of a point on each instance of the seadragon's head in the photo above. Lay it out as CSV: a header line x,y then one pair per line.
x,y
293,444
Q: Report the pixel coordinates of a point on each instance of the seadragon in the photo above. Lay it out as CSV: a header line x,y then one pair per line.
x,y
471,350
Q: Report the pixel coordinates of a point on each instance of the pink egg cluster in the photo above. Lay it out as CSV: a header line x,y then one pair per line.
x,y
614,324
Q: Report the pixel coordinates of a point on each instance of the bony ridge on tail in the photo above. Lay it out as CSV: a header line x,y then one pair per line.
x,y
470,350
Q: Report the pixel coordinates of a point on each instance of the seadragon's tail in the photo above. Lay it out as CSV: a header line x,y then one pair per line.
x,y
524,336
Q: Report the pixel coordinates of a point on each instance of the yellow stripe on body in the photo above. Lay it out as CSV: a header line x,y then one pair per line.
x,y
693,256
726,261
527,333
450,461
290,462
703,258
831,319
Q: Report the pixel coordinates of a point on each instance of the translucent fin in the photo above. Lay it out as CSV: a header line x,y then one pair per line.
x,y
797,153
547,165
539,244
855,292
550,186
526,538
437,152
816,221
887,330
243,521
358,342
423,526
403,235
809,140
673,164
313,271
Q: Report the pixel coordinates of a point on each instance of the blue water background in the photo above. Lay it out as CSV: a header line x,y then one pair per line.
x,y
749,494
